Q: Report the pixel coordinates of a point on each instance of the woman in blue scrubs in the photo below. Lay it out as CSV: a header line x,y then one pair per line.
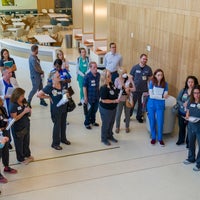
x,y
158,92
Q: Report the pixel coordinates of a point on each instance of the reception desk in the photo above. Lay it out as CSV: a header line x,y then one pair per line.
x,y
22,49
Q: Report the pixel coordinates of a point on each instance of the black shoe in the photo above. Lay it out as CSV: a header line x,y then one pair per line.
x,y
80,104
140,120
107,143
113,139
67,142
10,146
95,124
56,147
179,143
88,127
43,103
29,105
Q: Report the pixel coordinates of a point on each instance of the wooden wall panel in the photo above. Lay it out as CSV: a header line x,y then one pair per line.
x,y
45,4
170,27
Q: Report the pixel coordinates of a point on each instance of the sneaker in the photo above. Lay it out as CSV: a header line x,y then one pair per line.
x,y
95,124
187,162
80,104
3,179
196,169
10,170
28,160
117,130
162,144
153,142
43,103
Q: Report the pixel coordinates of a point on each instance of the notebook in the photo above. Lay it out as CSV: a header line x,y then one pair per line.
x,y
8,63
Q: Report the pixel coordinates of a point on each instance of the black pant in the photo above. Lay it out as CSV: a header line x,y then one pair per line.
x,y
4,154
22,145
182,130
137,97
5,150
59,117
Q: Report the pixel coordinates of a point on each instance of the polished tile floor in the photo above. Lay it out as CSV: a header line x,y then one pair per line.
x,y
88,170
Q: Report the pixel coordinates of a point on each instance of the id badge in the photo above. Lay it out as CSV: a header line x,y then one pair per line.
x,y
144,78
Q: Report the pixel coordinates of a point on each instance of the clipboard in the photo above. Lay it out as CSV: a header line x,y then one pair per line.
x,y
8,63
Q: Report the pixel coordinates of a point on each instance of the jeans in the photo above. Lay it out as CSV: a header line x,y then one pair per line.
x,y
36,85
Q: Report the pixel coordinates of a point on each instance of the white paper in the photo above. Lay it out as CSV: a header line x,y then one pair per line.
x,y
10,124
120,94
158,91
88,106
192,119
9,90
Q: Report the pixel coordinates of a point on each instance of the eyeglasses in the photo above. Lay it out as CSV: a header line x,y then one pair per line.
x,y
196,92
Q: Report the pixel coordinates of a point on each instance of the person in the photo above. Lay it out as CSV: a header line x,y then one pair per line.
x,y
182,100
193,117
65,63
112,61
3,141
4,151
7,85
58,113
36,75
6,60
20,112
126,86
158,92
64,74
91,95
107,107
82,68
141,74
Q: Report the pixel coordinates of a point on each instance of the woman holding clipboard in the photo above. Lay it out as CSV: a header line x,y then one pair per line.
x,y
7,61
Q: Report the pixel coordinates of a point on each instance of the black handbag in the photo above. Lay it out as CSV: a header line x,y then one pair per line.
x,y
70,105
70,91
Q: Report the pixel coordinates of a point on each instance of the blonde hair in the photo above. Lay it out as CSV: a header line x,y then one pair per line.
x,y
104,75
58,51
122,70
